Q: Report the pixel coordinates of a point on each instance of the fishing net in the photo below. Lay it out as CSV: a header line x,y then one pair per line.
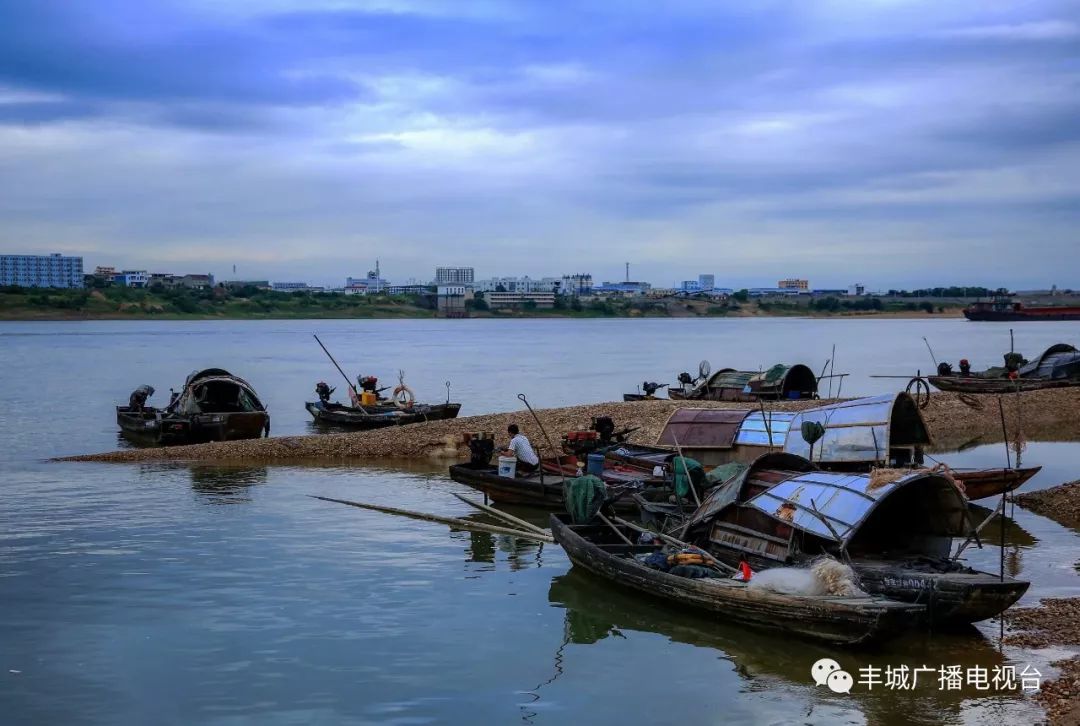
x,y
825,576
726,472
687,471
584,496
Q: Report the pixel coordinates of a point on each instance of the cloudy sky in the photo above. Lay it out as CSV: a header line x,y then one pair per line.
x,y
892,142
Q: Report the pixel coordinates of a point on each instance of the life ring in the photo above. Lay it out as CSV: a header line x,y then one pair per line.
x,y
403,396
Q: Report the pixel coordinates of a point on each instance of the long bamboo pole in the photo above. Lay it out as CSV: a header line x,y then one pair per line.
x,y
348,382
450,521
503,515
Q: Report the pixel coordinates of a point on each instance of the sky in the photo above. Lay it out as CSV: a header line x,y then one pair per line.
x,y
897,143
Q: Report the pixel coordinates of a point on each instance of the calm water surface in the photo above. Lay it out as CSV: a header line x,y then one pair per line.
x,y
173,594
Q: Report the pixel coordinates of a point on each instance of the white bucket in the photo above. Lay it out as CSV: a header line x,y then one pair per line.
x,y
508,466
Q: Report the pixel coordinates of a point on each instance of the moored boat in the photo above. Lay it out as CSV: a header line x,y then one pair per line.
x,y
544,488
780,382
841,620
857,435
213,405
375,417
1057,367
894,528
1004,309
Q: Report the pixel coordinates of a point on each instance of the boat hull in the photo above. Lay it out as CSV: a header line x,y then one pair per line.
x,y
1000,316
380,417
951,598
154,427
546,493
973,384
843,621
982,483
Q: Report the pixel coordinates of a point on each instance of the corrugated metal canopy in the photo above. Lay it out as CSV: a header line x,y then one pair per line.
x,y
702,428
1058,361
845,501
858,431
757,427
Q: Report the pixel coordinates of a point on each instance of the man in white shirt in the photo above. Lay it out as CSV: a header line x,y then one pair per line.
x,y
522,450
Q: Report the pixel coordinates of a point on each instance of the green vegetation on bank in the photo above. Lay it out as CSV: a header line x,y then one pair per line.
x,y
217,302
251,302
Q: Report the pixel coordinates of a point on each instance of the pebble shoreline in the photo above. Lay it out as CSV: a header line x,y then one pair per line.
x,y
1049,415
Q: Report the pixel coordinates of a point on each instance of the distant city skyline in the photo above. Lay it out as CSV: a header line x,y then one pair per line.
x,y
899,144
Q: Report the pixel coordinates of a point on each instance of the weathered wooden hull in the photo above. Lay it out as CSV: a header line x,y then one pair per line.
x,y
533,491
380,417
976,385
982,483
951,599
716,394
154,427
843,621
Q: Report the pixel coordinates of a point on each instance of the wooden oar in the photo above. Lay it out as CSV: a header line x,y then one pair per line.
x,y
450,521
678,543
503,515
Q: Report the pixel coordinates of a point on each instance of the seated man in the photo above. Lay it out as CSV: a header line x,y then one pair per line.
x,y
520,448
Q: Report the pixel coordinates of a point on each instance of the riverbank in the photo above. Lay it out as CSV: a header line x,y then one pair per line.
x,y
1050,414
219,303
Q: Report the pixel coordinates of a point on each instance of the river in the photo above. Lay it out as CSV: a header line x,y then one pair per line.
x,y
172,594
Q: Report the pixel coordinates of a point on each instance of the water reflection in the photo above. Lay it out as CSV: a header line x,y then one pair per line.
x,y
596,611
226,484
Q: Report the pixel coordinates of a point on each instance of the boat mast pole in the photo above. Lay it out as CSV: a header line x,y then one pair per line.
x,y
347,381
1004,486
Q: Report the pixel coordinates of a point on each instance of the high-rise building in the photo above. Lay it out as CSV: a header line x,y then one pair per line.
x,y
706,282
54,270
454,275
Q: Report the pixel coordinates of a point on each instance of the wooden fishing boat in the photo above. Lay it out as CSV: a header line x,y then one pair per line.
x,y
857,435
895,531
975,385
545,488
379,416
1057,367
839,620
213,405
983,483
780,382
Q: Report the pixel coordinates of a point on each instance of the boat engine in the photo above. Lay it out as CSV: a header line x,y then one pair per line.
x,y
481,449
650,387
137,399
685,378
605,427
369,384
965,367
323,391
944,369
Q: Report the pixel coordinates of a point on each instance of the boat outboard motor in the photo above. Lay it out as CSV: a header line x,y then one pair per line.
x,y
944,369
138,397
685,379
481,449
324,391
369,384
605,426
650,388
965,367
